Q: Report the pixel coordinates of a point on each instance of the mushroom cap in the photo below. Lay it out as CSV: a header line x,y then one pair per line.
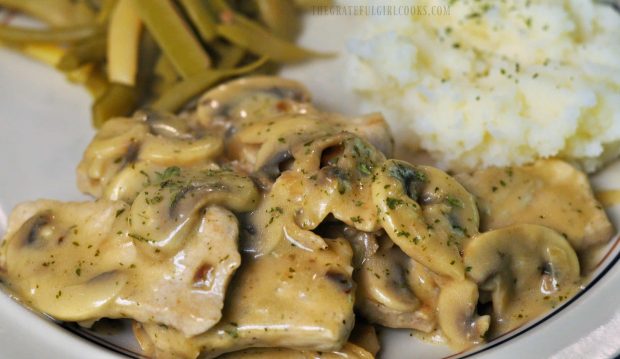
x,y
165,211
163,151
422,319
252,97
364,244
527,268
395,291
265,145
330,173
131,180
115,145
456,311
383,279
339,173
157,140
374,129
127,184
426,213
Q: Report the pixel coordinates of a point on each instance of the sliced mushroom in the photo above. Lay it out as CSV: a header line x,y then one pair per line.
x,y
168,125
344,150
289,298
129,181
551,193
176,152
528,269
163,212
115,145
259,144
157,140
338,170
422,319
61,259
364,244
382,279
330,175
456,311
176,141
133,179
252,98
373,128
426,213
386,292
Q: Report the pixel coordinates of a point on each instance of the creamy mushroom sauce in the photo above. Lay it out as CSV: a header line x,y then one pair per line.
x,y
551,193
258,226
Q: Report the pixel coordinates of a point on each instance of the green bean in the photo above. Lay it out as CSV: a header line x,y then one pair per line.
x,y
280,16
105,11
54,12
173,66
230,55
117,100
97,83
173,36
149,54
260,42
124,31
253,37
179,94
219,6
80,74
201,18
166,75
91,50
66,34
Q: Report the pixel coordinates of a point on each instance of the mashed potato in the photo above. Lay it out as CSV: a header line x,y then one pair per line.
x,y
496,82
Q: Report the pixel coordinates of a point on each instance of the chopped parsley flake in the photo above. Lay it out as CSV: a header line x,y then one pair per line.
x,y
454,202
402,233
363,168
393,202
168,173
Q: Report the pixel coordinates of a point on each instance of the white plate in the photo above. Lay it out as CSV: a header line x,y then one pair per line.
x,y
44,127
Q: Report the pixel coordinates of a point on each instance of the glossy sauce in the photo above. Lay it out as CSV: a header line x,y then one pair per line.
x,y
549,192
256,225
